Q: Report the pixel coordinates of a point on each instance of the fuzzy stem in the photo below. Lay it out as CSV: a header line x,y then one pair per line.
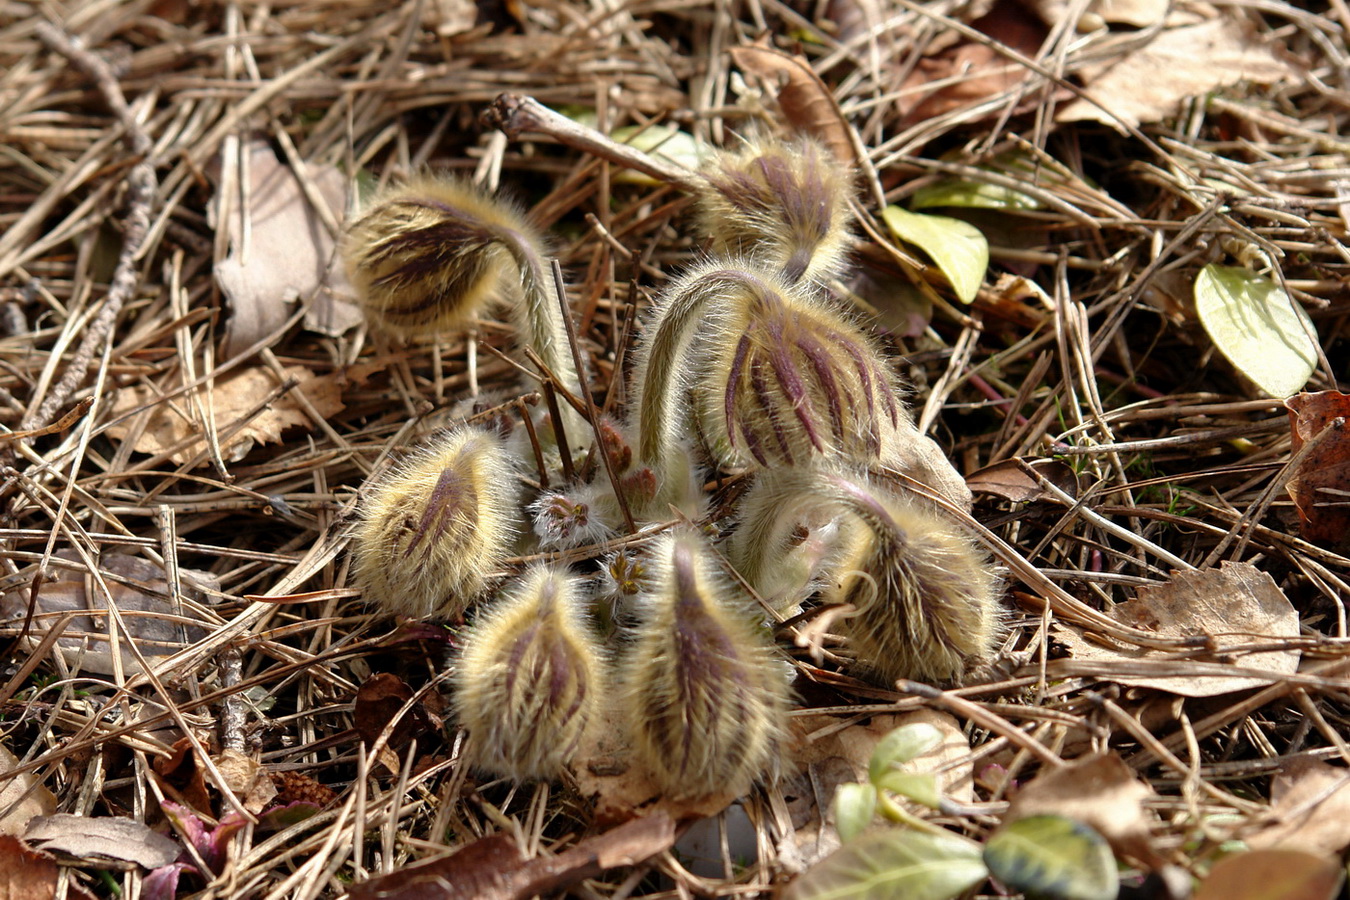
x,y
720,292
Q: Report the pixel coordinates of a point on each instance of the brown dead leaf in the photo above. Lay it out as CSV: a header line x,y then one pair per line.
x,y
102,840
184,776
1233,605
289,254
1100,791
21,797
235,397
807,103
1150,81
973,72
379,699
1010,479
139,589
26,874
1272,875
1320,484
619,790
247,779
493,868
1310,809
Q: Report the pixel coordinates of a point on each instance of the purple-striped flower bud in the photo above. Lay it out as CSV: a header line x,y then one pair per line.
x,y
433,528
705,694
429,255
925,592
780,377
528,678
781,203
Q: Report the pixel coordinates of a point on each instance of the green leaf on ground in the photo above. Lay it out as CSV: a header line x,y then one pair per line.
x,y
921,787
958,248
1267,336
1054,858
969,194
854,807
900,746
893,863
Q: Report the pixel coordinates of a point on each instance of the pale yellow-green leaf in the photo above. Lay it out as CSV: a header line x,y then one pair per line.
x,y
900,746
1268,337
662,141
972,194
921,787
854,806
958,248
893,863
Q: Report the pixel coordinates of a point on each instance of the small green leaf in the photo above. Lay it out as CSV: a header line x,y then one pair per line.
x,y
900,746
972,195
1054,858
921,787
893,863
958,248
1268,337
854,807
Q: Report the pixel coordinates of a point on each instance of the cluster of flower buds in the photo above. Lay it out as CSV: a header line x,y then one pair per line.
x,y
747,360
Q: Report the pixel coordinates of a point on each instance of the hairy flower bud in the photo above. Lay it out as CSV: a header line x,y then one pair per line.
x,y
430,254
704,693
926,594
782,378
528,679
433,527
782,203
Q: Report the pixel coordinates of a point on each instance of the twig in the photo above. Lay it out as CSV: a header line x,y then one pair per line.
x,y
141,188
515,114
586,398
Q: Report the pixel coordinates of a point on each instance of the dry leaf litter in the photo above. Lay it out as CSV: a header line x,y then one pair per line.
x,y
192,406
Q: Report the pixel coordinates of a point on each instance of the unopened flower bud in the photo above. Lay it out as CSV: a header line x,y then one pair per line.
x,y
781,203
783,379
529,677
435,526
705,694
428,255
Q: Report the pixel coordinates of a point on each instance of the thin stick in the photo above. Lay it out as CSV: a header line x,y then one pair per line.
x,y
588,399
516,114
141,188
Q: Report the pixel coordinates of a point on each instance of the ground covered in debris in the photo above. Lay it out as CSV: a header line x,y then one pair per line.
x,y
1104,246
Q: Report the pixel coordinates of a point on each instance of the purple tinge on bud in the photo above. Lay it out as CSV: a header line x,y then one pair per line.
x,y
705,695
802,382
925,593
433,528
782,203
528,678
422,262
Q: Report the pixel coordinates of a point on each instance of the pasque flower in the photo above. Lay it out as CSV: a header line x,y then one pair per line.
x,y
529,677
435,526
779,376
704,692
783,204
